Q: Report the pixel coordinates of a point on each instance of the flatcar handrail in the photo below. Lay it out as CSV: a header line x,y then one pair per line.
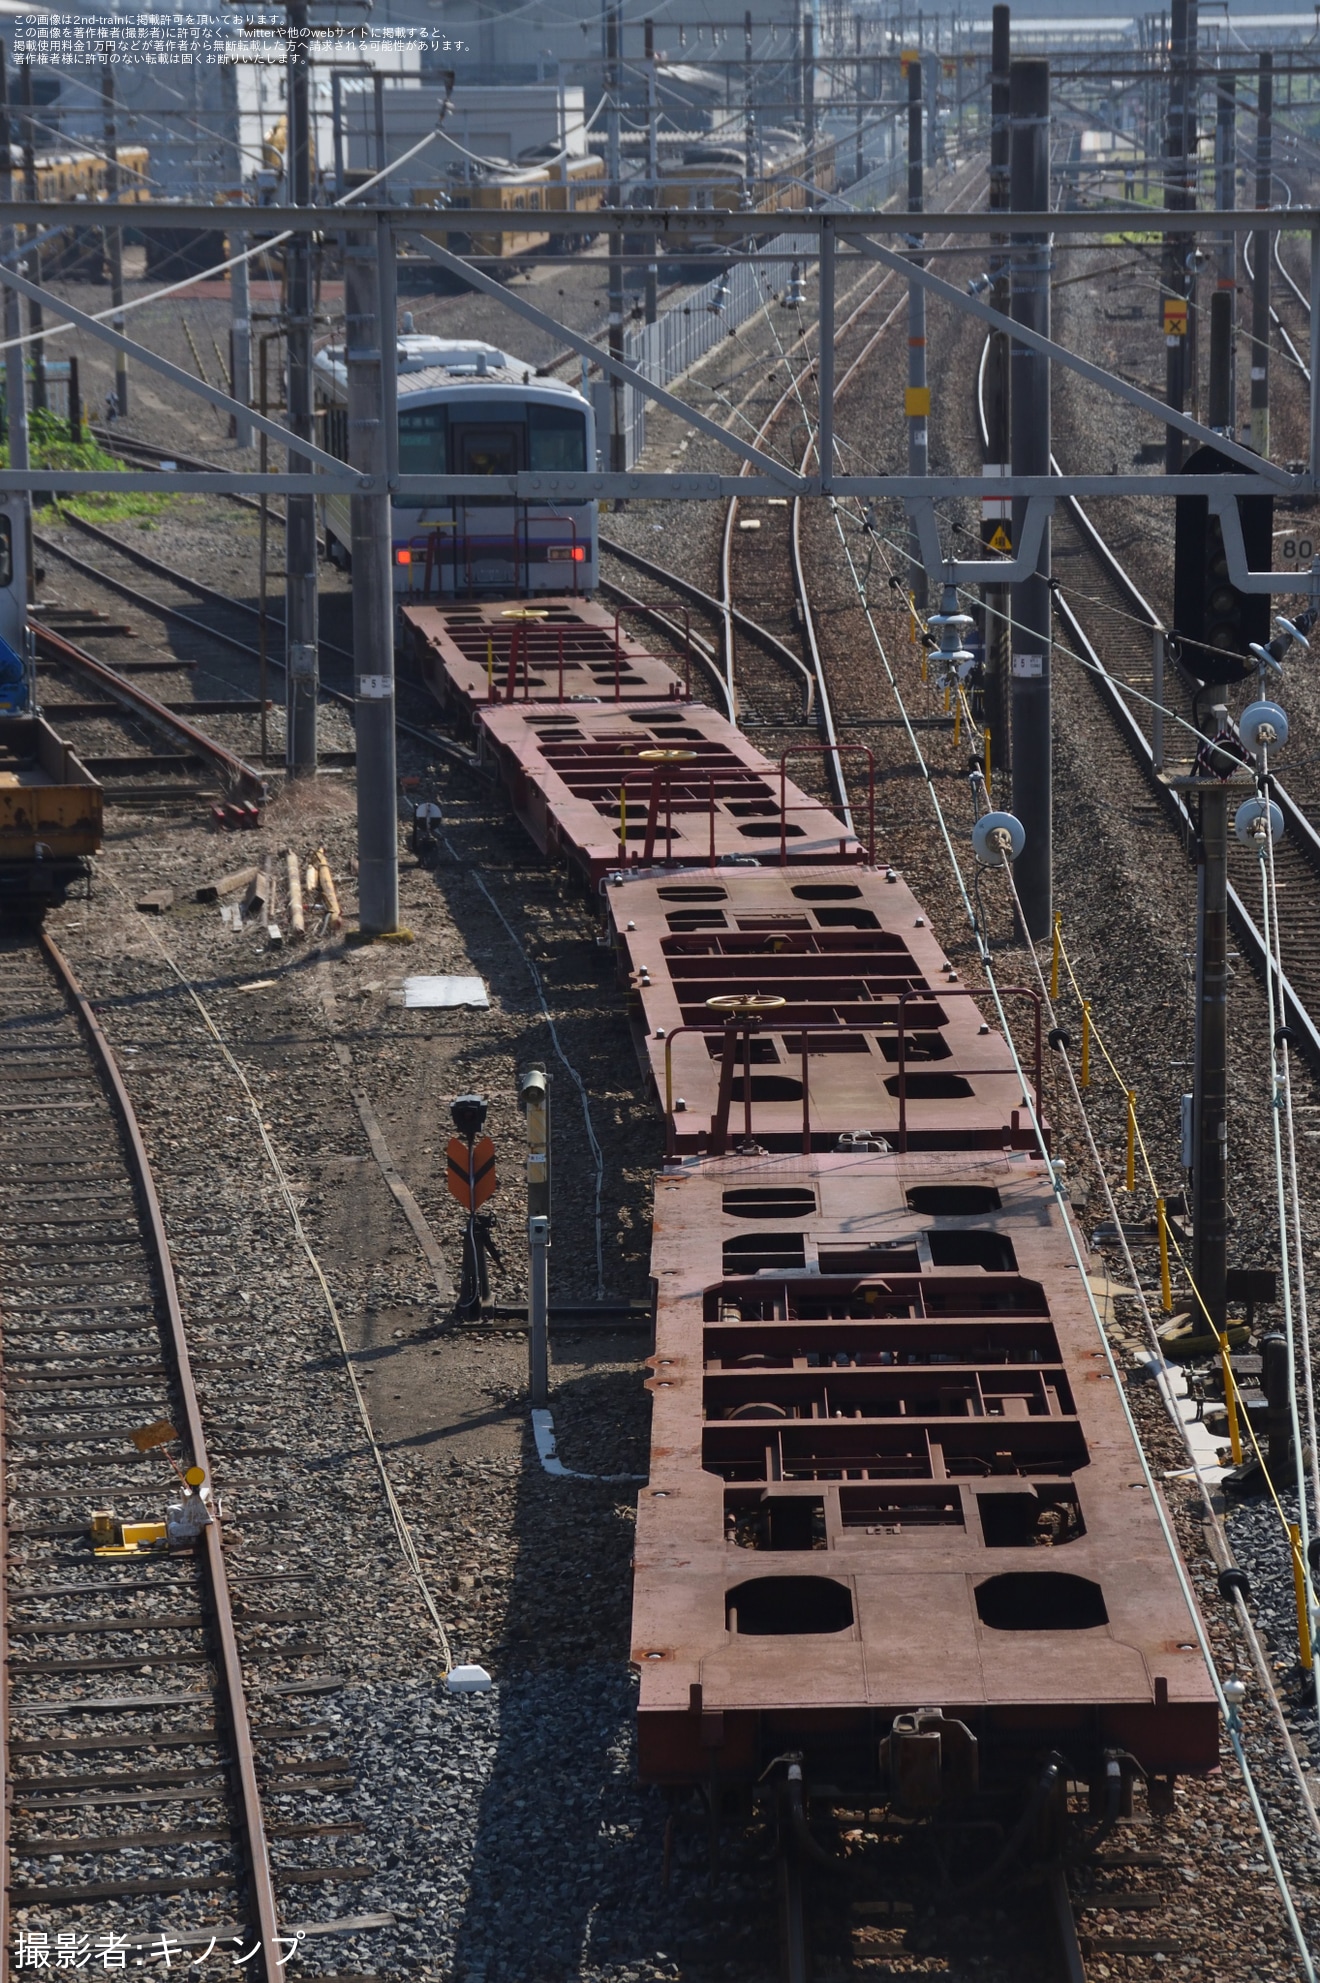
x,y
962,991
824,750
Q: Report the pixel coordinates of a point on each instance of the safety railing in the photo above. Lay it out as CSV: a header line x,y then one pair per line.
x,y
743,1028
819,805
940,992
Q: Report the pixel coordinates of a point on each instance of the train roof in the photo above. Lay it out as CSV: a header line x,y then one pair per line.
x,y
438,379
435,364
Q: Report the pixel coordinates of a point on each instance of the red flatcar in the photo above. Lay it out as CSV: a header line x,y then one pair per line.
x,y
896,1544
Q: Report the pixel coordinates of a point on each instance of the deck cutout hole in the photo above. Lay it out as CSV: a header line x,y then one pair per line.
x,y
988,1250
826,891
870,1260
768,829
847,919
693,894
916,1046
1043,1518
697,919
789,1607
763,1052
768,1088
953,1201
769,1201
894,1510
826,1043
1040,1601
933,1087
748,1253
775,1521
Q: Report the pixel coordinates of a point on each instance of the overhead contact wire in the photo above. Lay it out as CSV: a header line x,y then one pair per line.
x,y
1170,1540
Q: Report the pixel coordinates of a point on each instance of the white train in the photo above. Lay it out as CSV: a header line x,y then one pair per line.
x,y
472,409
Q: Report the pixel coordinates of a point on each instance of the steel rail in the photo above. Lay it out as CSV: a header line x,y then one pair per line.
x,y
687,590
731,512
1304,835
1295,287
126,445
1290,348
262,1899
683,636
136,556
823,708
236,775
1253,943
1173,804
1065,1921
131,552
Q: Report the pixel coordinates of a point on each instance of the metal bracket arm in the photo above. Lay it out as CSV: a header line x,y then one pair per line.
x,y
799,485
59,308
1235,550
980,571
1165,415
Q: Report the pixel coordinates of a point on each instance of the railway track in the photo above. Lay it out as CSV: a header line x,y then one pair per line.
x,y
769,672
135,1758
1291,352
141,749
212,631
1111,624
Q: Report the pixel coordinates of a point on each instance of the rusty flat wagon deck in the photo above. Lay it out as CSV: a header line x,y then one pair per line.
x,y
798,1006
890,1475
558,650
610,786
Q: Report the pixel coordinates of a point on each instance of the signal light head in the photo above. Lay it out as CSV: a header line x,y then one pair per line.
x,y
469,1114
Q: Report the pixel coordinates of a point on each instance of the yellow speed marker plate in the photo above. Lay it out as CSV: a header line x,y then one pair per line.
x,y
665,757
745,1002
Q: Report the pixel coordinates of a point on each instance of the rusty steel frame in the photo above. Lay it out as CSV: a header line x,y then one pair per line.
x,y
559,783
262,1897
834,750
719,1128
569,649
733,1330
967,991
237,775
865,955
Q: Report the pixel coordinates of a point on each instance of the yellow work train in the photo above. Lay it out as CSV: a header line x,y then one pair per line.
x,y
713,176
50,817
82,175
575,185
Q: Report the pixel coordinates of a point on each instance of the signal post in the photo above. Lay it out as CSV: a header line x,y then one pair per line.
x,y
534,1097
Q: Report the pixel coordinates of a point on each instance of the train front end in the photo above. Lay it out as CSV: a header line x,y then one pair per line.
x,y
472,410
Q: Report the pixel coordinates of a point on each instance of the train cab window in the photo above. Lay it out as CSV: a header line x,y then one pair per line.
x,y
423,434
6,551
556,438
486,451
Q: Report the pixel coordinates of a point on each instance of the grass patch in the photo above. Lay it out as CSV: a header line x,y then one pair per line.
x,y
50,446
